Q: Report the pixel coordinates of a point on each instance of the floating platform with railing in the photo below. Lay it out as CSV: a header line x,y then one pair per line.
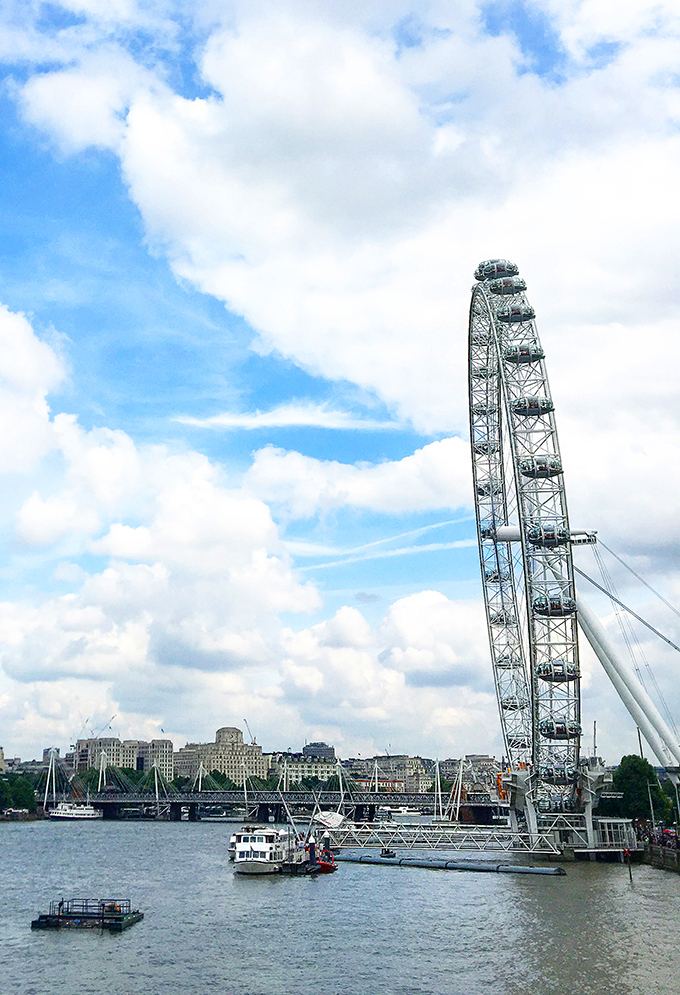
x,y
113,914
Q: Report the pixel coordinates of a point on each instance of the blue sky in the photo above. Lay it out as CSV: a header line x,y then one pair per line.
x,y
235,413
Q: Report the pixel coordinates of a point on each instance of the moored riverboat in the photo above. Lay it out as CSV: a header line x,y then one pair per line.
x,y
75,810
265,851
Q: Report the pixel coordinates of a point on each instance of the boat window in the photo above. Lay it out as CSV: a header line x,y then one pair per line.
x,y
259,839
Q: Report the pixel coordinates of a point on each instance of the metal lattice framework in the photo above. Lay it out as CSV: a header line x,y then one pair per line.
x,y
524,538
427,837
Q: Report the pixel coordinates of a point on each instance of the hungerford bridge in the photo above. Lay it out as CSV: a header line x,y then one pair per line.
x,y
533,612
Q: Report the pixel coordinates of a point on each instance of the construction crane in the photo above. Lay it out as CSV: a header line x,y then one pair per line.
x,y
108,722
252,738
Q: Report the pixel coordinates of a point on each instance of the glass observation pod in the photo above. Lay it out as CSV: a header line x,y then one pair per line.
x,y
482,372
491,268
487,488
527,406
559,729
482,408
548,536
515,703
540,467
496,577
517,313
502,618
486,448
556,671
524,353
508,662
557,775
555,805
554,606
507,285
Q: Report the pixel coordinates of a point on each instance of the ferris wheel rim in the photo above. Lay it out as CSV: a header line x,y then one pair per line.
x,y
510,347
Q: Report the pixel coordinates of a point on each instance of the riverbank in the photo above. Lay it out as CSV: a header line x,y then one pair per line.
x,y
662,857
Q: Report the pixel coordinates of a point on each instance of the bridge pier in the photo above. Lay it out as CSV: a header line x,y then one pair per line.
x,y
111,811
193,813
175,812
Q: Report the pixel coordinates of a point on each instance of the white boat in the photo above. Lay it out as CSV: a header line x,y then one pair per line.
x,y
259,850
386,813
75,810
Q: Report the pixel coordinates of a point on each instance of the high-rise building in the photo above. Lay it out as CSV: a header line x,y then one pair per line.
x,y
319,751
133,753
228,755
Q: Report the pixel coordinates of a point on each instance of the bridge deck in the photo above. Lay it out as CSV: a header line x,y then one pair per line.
x,y
327,799
426,837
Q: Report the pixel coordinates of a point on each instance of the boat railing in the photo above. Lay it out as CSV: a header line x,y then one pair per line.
x,y
91,907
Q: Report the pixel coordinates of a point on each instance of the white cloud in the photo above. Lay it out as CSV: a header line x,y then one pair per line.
x,y
337,194
288,416
29,369
436,476
419,679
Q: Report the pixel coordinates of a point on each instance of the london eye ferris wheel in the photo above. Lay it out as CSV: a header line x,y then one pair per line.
x,y
524,538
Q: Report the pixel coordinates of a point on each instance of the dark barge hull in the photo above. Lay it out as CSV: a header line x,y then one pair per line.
x,y
114,923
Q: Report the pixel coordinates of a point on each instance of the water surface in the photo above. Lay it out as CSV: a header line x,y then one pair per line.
x,y
362,931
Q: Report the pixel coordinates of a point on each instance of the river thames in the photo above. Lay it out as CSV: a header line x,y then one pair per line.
x,y
362,931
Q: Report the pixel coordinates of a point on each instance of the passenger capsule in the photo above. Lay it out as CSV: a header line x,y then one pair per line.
x,y
487,531
528,406
548,536
489,488
482,372
486,448
522,354
508,661
555,804
558,774
489,269
507,285
515,314
559,729
554,606
514,703
556,671
482,408
502,618
540,467
496,577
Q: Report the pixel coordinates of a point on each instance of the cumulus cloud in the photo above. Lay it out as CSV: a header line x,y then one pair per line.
x,y
436,476
343,675
29,369
335,184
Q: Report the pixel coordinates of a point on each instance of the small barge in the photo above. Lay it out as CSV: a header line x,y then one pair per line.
x,y
114,914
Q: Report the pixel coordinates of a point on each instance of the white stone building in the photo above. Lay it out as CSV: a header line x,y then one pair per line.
x,y
134,753
294,767
228,754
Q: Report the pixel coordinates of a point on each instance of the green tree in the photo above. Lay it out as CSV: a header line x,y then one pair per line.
x,y
5,794
632,777
23,793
